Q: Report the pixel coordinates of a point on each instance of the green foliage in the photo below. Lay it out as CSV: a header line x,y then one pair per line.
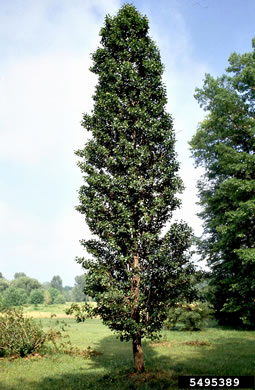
x,y
14,297
19,275
130,172
46,297
67,292
36,296
189,316
18,335
26,283
81,312
59,299
53,294
224,146
57,283
4,284
78,290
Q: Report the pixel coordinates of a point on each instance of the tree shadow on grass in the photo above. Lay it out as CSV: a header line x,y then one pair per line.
x,y
113,369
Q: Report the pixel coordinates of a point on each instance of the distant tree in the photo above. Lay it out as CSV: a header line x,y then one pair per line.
x,y
53,294
59,299
46,285
36,296
26,283
224,145
57,283
78,290
1,275
14,297
67,292
131,182
47,297
19,275
4,284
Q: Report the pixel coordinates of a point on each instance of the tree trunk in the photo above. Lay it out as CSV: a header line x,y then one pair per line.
x,y
137,341
138,354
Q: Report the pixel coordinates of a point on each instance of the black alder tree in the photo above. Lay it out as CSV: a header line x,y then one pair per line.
x,y
130,184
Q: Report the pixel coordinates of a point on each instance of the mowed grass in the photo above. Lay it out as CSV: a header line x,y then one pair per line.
x,y
214,351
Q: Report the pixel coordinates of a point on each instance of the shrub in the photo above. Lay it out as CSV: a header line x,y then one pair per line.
x,y
18,335
189,316
36,296
14,297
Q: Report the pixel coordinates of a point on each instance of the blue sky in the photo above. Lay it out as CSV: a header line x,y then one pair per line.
x,y
45,86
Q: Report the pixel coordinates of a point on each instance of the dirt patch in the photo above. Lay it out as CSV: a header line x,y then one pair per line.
x,y
196,343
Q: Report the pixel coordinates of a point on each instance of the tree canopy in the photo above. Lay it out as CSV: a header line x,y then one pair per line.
x,y
131,186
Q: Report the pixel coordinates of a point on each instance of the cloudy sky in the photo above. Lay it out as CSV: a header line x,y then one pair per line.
x,y
45,86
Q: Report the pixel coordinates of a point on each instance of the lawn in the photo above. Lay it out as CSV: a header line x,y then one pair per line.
x,y
214,351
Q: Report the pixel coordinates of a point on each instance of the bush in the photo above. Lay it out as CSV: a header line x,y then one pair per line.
x,y
18,335
36,296
189,316
14,297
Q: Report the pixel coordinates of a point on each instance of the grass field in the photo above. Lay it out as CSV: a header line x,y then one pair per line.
x,y
214,351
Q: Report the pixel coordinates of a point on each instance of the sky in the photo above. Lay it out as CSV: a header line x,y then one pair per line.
x,y
46,85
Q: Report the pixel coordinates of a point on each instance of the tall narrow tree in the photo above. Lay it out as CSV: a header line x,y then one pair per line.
x,y
225,146
130,187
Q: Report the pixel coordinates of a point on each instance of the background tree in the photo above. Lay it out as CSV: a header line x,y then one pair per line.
x,y
53,294
131,180
57,283
224,146
19,275
4,284
47,297
14,297
36,296
59,299
26,283
1,275
78,290
67,293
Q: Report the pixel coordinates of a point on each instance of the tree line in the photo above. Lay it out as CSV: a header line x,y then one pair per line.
x,y
26,290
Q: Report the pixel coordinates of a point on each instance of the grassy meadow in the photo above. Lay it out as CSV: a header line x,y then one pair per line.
x,y
213,351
